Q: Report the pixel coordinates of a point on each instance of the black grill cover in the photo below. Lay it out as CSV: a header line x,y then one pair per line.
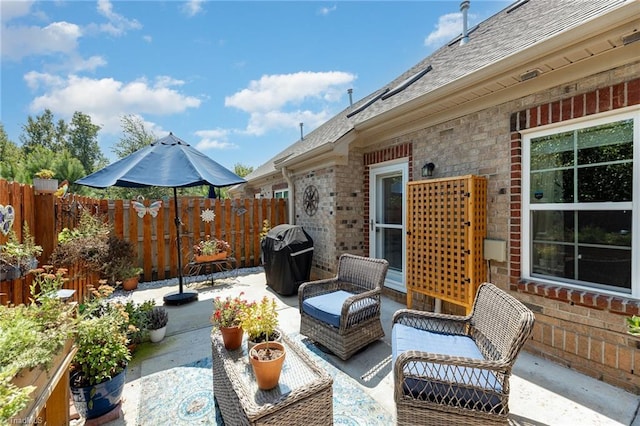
x,y
288,253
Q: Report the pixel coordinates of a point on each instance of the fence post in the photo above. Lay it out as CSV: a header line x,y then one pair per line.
x,y
45,230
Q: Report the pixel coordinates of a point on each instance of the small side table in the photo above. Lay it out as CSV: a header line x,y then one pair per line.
x,y
304,395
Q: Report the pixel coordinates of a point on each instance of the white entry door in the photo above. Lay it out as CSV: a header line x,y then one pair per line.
x,y
387,219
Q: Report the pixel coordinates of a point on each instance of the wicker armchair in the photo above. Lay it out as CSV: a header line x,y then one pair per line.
x,y
343,313
454,370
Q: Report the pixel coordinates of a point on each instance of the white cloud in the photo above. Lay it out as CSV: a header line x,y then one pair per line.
x,y
192,7
214,139
449,26
275,91
13,9
147,38
106,99
76,64
327,10
57,37
118,25
273,101
260,123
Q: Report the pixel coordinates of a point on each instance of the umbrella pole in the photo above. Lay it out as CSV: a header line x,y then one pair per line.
x,y
177,222
181,297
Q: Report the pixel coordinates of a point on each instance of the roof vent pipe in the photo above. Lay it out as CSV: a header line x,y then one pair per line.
x,y
464,6
301,133
350,92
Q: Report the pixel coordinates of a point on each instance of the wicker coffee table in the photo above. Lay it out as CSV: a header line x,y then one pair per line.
x,y
304,395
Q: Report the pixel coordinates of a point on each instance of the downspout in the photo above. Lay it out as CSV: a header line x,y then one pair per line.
x,y
291,202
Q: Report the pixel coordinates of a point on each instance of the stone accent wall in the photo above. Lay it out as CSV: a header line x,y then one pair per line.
x,y
322,225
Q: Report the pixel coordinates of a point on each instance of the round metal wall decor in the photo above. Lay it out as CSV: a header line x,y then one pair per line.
x,y
310,200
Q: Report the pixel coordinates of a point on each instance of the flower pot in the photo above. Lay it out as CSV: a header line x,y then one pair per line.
x,y
45,185
130,283
267,371
10,273
232,337
211,257
94,401
157,335
277,337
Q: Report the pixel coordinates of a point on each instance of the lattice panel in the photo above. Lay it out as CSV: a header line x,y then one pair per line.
x,y
446,226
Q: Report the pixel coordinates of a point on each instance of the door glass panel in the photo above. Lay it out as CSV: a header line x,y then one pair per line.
x,y
390,247
391,202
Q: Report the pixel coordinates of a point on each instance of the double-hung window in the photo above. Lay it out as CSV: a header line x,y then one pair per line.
x,y
580,203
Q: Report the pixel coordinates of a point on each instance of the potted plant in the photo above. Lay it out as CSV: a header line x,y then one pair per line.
x,y
98,368
158,320
36,344
43,181
120,264
138,315
266,353
210,249
633,325
226,317
266,227
17,258
132,274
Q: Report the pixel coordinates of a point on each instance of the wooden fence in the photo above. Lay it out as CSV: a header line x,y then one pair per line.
x,y
238,221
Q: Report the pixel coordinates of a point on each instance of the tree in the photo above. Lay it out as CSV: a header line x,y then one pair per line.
x,y
69,168
82,142
37,159
10,156
135,136
242,170
42,132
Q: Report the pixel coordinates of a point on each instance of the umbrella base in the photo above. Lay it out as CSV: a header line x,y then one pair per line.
x,y
180,298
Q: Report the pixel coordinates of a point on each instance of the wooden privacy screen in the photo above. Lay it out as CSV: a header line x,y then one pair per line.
x,y
446,226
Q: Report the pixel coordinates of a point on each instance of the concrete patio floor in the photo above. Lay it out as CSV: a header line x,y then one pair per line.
x,y
542,392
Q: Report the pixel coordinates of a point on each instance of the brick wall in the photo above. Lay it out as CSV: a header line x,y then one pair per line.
x,y
582,329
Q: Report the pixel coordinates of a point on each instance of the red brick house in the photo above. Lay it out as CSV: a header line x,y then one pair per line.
x,y
543,101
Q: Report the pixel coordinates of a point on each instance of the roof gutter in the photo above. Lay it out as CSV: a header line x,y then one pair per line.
x,y
292,195
600,24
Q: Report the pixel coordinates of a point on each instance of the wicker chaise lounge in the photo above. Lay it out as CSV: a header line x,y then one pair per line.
x,y
454,370
343,313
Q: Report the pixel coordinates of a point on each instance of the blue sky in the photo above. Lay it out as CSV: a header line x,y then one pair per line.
x,y
233,78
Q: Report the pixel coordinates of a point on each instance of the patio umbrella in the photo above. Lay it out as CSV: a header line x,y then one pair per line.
x,y
168,162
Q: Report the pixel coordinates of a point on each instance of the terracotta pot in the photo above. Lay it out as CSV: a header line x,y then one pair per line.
x,y
211,257
130,283
267,372
232,337
276,337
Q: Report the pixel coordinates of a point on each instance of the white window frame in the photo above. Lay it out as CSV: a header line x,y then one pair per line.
x,y
595,120
283,192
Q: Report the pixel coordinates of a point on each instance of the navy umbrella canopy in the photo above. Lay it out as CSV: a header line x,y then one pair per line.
x,y
168,162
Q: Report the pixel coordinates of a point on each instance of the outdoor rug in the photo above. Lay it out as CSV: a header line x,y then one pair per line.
x,y
184,396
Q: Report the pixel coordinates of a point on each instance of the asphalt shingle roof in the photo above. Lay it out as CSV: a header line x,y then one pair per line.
x,y
517,27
